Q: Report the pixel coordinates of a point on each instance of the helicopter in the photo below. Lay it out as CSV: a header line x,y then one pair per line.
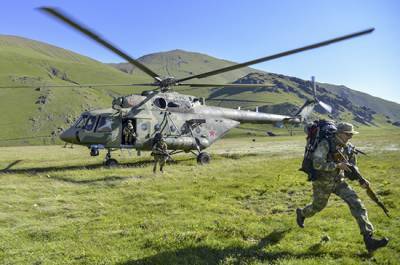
x,y
185,122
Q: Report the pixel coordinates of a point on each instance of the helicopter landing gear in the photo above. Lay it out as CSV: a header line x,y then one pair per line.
x,y
203,158
110,162
94,151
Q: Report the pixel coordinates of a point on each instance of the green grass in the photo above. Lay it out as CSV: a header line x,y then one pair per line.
x,y
60,206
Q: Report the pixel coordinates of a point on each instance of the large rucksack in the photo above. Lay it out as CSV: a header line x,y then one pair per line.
x,y
316,132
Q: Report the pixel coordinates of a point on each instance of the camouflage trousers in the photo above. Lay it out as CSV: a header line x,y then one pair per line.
x,y
161,159
323,188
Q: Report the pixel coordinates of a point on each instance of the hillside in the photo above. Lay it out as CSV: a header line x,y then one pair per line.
x,y
348,104
38,114
179,63
33,112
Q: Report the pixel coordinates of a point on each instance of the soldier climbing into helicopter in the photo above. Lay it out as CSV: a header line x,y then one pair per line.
x,y
160,152
129,133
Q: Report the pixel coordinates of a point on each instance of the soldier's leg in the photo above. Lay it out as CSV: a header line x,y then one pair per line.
x,y
321,194
344,191
155,165
162,163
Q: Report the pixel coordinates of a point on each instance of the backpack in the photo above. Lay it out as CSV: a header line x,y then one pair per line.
x,y
316,132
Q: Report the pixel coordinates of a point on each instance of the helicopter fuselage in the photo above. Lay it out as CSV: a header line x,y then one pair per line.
x,y
185,122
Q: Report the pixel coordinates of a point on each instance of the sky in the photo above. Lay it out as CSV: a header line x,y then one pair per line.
x,y
234,30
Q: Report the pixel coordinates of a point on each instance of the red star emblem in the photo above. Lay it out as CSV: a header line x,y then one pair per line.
x,y
212,133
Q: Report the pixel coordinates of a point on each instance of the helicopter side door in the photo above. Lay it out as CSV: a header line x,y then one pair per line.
x,y
143,132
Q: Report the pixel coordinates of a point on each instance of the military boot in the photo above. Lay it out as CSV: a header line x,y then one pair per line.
x,y
372,244
300,218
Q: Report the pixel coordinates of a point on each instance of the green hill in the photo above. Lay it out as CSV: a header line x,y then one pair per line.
x,y
179,63
38,111
348,104
36,115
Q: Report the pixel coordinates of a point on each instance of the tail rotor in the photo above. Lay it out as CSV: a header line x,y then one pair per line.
x,y
310,104
321,103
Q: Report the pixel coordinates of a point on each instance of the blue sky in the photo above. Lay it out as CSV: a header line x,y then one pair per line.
x,y
234,30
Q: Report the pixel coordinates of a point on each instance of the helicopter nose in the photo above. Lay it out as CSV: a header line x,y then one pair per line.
x,y
69,136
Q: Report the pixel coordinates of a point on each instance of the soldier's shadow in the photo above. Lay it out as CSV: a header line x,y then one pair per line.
x,y
214,256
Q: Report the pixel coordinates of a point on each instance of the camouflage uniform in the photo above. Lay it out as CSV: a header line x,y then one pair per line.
x,y
160,153
129,133
330,179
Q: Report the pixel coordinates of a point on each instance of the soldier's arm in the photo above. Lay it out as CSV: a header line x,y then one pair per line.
x,y
352,155
320,156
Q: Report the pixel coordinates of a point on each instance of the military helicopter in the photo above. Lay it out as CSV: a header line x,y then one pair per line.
x,y
186,123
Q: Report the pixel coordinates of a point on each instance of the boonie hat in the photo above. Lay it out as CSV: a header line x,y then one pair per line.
x,y
345,127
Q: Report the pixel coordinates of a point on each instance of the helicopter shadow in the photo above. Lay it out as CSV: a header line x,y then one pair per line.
x,y
240,255
38,170
41,170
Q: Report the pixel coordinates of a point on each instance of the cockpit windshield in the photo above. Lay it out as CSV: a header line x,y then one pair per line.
x,y
90,123
81,121
104,124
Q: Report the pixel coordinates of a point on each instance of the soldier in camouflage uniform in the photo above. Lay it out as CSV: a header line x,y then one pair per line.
x,y
129,133
160,152
330,176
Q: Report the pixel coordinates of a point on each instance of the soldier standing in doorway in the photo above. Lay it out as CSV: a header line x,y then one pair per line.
x,y
160,152
129,133
329,178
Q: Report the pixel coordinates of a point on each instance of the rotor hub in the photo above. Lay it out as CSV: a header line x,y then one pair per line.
x,y
166,83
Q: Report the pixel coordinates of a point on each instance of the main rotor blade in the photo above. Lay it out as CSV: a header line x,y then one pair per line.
x,y
63,17
226,85
238,100
81,85
278,55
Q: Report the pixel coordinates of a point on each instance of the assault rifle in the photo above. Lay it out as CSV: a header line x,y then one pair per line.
x,y
355,174
164,153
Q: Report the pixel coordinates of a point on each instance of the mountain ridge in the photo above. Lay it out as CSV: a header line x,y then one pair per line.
x,y
45,110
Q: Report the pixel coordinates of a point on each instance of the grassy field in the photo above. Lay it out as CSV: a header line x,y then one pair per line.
x,y
60,206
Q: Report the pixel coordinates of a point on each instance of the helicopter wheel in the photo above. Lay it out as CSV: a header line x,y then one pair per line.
x,y
203,158
94,152
111,162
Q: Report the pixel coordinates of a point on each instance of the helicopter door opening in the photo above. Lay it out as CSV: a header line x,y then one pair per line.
x,y
129,133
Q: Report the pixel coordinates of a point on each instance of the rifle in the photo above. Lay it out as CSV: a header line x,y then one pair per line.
x,y
160,151
169,157
357,175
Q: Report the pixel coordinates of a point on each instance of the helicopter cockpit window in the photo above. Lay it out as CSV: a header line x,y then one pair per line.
x,y
81,121
90,123
160,102
173,105
104,125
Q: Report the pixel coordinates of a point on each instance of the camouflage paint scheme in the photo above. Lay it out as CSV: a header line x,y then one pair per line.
x,y
186,123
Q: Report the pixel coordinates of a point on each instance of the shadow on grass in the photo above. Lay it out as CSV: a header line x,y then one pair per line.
x,y
111,180
231,255
11,165
235,156
37,170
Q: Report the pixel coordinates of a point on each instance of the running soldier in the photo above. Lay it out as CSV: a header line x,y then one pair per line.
x,y
329,178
